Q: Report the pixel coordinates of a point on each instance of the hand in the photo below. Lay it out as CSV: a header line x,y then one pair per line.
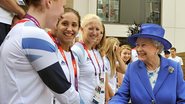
x,y
21,13
118,51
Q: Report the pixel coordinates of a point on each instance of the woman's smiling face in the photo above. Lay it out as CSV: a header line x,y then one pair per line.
x,y
68,27
146,49
91,31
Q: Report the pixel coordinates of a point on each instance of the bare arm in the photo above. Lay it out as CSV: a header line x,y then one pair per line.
x,y
121,67
108,90
12,6
120,79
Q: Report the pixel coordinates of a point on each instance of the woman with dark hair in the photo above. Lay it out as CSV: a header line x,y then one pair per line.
x,y
29,60
66,30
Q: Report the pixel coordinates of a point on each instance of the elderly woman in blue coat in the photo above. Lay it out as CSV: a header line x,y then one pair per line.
x,y
152,79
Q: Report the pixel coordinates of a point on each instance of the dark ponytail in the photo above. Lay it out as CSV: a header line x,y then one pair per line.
x,y
35,3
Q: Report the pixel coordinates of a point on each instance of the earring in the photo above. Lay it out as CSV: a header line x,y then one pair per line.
x,y
156,53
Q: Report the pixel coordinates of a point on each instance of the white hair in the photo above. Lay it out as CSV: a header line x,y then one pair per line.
x,y
159,45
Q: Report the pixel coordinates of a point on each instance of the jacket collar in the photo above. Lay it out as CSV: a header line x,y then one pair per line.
x,y
163,73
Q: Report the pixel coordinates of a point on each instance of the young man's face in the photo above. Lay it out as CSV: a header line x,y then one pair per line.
x,y
173,52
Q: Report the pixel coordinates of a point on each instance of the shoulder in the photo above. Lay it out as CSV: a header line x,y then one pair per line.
x,y
169,61
106,63
136,63
179,57
37,37
77,46
78,51
106,60
28,29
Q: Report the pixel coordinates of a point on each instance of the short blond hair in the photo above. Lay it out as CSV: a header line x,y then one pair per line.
x,y
88,19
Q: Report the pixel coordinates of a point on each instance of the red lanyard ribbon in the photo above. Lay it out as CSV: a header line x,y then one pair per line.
x,y
85,47
65,59
73,62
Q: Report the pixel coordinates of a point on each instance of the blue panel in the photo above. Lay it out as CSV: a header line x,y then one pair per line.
x,y
32,58
35,43
29,23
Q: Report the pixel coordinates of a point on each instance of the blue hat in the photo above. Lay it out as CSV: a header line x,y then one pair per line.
x,y
153,31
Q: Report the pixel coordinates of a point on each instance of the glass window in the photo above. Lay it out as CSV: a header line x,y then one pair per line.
x,y
108,10
129,11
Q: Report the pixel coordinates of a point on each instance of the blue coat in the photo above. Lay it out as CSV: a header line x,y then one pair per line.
x,y
169,88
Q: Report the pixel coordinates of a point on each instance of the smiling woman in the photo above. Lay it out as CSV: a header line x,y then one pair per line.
x,y
67,28
89,67
151,74
30,69
63,35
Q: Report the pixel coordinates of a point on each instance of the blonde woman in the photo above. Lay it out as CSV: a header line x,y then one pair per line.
x,y
89,68
99,56
126,57
113,64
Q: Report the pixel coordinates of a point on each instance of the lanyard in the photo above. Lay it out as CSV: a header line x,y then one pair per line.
x,y
65,59
103,64
85,47
27,18
97,61
73,63
32,19
75,70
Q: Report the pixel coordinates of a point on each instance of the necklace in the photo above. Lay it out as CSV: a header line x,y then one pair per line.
x,y
152,71
152,75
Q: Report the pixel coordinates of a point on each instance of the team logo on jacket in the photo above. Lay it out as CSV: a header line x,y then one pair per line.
x,y
88,59
63,63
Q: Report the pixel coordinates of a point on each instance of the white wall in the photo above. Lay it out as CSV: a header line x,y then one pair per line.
x,y
174,23
82,6
172,20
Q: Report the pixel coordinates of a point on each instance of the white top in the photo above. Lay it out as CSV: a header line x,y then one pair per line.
x,y
5,16
134,55
152,75
177,59
100,59
21,57
101,63
69,71
87,79
112,80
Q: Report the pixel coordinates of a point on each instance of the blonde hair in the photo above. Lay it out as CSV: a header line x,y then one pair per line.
x,y
88,19
128,48
102,42
125,47
110,52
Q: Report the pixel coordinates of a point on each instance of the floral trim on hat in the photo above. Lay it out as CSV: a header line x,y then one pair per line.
x,y
134,29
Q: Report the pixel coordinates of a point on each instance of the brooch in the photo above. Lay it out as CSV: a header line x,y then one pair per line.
x,y
171,69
